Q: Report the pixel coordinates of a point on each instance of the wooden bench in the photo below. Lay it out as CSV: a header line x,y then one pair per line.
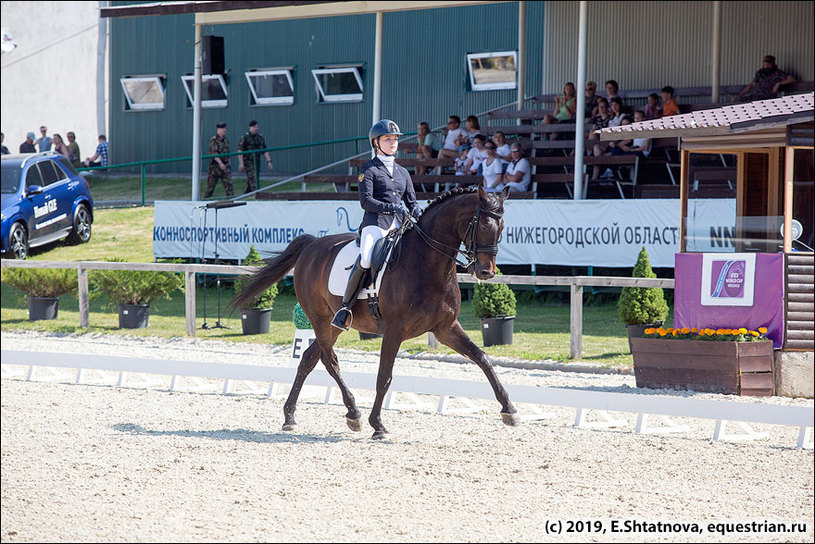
x,y
411,162
714,176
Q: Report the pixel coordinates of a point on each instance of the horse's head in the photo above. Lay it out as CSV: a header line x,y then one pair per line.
x,y
483,233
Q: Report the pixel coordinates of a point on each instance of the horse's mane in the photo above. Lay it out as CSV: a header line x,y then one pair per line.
x,y
450,194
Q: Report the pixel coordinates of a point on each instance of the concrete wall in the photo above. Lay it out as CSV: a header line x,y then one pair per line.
x,y
51,77
794,374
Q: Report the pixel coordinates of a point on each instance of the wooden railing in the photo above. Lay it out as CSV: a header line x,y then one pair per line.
x,y
575,283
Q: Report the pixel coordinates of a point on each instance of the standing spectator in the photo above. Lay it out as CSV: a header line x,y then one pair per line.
x,y
3,149
101,153
591,99
519,173
251,140
493,170
476,155
44,142
565,107
502,148
669,105
765,83
473,129
450,148
219,166
28,145
60,147
429,145
612,90
653,110
73,150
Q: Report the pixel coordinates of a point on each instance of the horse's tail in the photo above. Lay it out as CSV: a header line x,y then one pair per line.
x,y
273,272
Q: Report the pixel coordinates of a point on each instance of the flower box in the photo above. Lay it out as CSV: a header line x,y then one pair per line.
x,y
733,368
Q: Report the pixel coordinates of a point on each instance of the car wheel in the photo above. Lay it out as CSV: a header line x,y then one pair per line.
x,y
81,231
18,241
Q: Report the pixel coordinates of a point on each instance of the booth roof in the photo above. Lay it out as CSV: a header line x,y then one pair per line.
x,y
732,119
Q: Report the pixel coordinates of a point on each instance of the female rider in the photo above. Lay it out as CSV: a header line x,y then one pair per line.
x,y
387,196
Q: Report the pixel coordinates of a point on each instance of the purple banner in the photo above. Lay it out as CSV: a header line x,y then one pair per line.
x,y
730,284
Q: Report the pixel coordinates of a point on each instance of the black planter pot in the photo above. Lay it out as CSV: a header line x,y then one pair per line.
x,y
133,316
42,308
256,321
497,330
368,336
638,331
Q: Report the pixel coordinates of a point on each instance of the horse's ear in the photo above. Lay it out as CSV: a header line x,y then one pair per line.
x,y
482,194
505,193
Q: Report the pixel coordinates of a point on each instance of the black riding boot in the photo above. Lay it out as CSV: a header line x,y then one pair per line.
x,y
355,284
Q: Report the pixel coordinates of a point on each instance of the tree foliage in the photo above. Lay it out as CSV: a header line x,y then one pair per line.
x,y
642,305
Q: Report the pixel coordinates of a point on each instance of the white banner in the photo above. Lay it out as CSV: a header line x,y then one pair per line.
x,y
607,233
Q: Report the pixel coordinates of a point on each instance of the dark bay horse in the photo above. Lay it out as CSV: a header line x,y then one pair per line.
x,y
419,294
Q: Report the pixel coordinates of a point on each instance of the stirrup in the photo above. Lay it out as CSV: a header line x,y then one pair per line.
x,y
341,317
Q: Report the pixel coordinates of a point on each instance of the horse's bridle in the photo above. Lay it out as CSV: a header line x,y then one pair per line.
x,y
472,248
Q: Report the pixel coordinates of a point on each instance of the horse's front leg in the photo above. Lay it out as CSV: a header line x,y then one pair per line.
x,y
307,364
457,339
387,355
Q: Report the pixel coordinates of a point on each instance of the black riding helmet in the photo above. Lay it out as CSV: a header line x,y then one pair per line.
x,y
381,128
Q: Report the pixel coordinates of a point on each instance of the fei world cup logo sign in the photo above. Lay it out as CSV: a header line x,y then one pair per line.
x,y
728,280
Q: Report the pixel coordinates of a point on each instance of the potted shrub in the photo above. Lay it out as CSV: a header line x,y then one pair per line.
x,y
494,305
43,286
642,307
729,361
256,314
133,291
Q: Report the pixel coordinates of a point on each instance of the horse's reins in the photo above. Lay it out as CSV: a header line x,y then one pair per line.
x,y
472,248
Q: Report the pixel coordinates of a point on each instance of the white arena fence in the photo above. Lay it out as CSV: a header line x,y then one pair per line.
x,y
645,406
575,283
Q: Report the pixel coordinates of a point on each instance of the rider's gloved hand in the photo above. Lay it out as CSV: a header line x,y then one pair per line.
x,y
402,210
416,212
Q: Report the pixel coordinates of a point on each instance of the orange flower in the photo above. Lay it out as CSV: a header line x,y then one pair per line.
x,y
754,333
742,331
676,332
762,330
662,332
685,330
650,330
694,330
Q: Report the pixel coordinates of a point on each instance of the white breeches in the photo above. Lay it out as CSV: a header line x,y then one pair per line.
x,y
369,236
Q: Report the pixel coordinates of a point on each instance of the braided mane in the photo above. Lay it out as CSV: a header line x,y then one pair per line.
x,y
451,193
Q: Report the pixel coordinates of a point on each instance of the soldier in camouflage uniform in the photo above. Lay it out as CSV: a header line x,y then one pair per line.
x,y
219,166
251,161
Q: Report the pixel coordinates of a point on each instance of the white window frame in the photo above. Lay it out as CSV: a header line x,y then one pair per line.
x,y
335,98
205,77
271,100
149,106
491,86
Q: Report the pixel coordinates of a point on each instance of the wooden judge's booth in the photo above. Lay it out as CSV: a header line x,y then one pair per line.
x,y
753,267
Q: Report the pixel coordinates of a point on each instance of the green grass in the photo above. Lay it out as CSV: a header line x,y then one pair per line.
x,y
541,328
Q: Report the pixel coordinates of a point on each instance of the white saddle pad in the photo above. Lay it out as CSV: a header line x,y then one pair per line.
x,y
341,271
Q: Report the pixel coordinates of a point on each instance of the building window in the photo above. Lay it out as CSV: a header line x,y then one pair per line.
x,y
491,71
145,93
339,84
213,90
273,87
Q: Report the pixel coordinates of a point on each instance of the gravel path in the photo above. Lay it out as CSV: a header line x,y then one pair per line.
x,y
106,464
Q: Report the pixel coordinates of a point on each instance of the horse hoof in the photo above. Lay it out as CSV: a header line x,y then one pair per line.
x,y
513,420
379,435
354,424
289,426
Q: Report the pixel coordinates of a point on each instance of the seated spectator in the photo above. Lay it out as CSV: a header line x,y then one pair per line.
x,y
3,149
501,146
638,146
519,173
28,145
612,90
461,160
493,170
101,154
669,105
449,149
565,109
598,122
429,145
616,112
476,155
472,130
73,150
765,83
591,99
653,110
59,146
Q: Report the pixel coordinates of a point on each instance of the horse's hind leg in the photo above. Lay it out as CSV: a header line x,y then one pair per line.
x,y
353,416
307,364
456,338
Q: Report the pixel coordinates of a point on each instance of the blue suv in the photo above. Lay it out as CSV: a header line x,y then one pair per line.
x,y
44,199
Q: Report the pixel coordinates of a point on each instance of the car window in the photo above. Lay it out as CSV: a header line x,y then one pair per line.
x,y
11,179
67,166
32,176
50,173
